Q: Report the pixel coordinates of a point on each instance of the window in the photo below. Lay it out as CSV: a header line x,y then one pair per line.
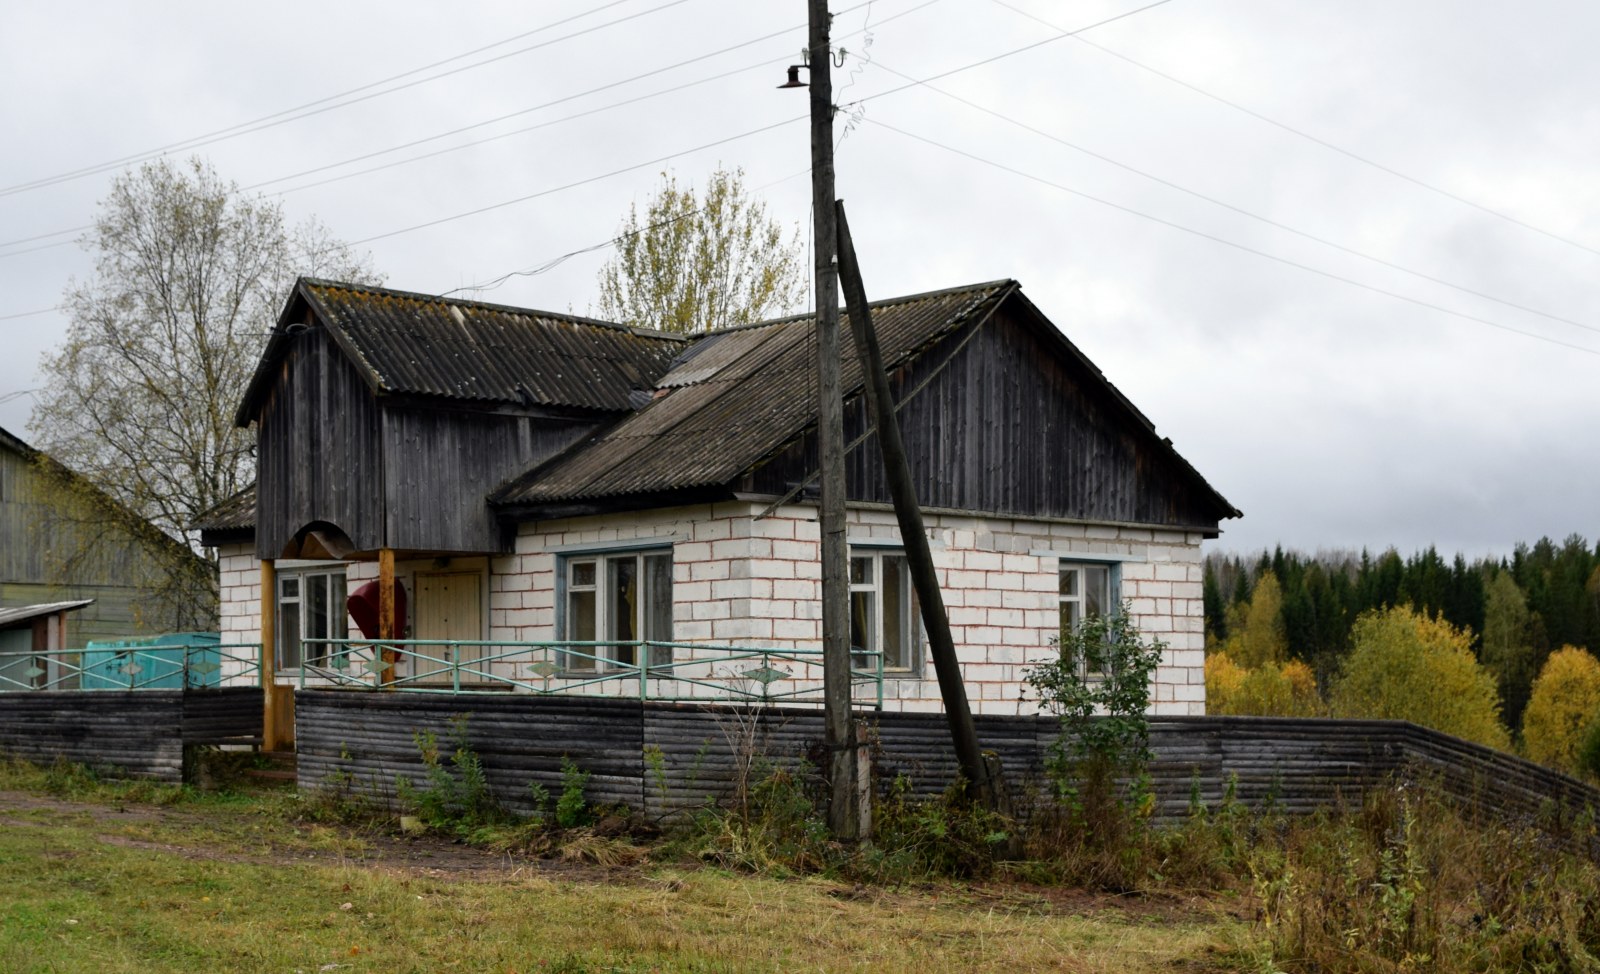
x,y
1085,593
883,611
626,597
311,605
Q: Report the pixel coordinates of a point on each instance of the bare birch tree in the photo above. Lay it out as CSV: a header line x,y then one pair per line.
x,y
693,262
189,278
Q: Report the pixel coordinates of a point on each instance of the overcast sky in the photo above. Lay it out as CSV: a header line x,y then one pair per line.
x,y
1332,414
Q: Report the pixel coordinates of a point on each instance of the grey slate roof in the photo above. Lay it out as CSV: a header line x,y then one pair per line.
x,y
734,398
237,513
422,344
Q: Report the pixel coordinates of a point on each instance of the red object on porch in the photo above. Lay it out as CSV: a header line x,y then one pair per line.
x,y
363,607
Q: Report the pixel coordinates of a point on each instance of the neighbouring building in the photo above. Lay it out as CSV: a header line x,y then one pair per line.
x,y
538,477
63,540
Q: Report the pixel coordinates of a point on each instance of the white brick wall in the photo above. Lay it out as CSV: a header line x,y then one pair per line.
x,y
741,580
239,616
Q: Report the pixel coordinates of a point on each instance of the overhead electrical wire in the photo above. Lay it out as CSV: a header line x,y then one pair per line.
x,y
1464,289
554,262
1229,243
29,314
1334,147
295,114
501,118
581,182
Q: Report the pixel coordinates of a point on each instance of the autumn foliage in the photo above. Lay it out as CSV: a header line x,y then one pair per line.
x,y
1564,705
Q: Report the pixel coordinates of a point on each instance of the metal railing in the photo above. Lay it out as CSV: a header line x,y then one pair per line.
x,y
152,667
645,670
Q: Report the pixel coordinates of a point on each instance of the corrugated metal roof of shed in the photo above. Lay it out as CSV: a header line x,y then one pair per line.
x,y
733,399
24,613
428,345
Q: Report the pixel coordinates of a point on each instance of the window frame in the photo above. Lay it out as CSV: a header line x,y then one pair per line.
x,y
912,636
1110,601
338,612
603,609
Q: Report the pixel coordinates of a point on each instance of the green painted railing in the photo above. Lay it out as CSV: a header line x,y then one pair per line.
x,y
646,670
146,667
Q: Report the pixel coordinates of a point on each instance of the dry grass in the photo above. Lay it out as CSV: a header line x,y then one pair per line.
x,y
175,890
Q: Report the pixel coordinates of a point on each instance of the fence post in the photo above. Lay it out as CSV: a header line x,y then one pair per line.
x,y
644,671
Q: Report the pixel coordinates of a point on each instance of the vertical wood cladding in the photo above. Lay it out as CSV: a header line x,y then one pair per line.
x,y
1011,423
318,449
441,465
402,475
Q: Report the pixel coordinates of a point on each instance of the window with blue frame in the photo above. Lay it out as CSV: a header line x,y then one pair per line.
x,y
616,599
1085,592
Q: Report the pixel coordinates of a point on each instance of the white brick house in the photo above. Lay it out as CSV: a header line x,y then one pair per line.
x,y
538,478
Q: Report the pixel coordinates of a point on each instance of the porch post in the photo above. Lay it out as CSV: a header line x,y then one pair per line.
x,y
273,736
386,620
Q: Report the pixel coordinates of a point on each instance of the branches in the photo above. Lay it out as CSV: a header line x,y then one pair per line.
x,y
139,399
698,263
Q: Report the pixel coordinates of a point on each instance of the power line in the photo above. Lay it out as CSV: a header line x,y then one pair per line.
x,y
40,236
581,182
30,314
557,261
1312,138
1229,243
1002,56
501,118
295,114
1238,209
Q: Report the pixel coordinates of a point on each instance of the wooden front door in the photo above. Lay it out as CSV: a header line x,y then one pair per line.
x,y
449,606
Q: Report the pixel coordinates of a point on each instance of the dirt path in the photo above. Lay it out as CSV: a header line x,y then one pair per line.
x,y
205,834
427,855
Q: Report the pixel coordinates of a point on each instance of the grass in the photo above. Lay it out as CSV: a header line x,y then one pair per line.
x,y
131,878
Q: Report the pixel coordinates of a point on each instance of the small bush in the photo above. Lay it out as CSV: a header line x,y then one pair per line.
x,y
572,809
456,796
1099,687
950,836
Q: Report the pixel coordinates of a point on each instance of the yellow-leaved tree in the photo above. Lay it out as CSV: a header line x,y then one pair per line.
x,y
1404,665
1259,637
1564,704
1270,690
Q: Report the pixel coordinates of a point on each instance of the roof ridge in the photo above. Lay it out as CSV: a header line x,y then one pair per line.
x,y
883,303
319,282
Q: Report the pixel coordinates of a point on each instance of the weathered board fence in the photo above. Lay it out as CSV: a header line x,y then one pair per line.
x,y
662,758
129,733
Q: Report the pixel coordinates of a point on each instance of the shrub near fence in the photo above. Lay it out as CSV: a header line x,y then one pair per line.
x,y
662,758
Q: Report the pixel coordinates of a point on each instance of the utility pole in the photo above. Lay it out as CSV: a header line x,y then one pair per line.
x,y
839,739
981,778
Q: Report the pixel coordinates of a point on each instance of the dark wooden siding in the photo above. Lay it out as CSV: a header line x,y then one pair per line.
x,y
137,734
317,446
1298,766
401,474
441,464
1010,424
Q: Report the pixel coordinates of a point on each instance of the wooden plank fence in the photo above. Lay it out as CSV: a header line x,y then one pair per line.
x,y
128,733
664,758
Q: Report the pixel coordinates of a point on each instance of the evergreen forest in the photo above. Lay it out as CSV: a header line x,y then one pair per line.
x,y
1478,648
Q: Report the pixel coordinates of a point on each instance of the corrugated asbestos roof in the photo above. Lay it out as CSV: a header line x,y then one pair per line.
x,y
234,514
734,398
427,345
